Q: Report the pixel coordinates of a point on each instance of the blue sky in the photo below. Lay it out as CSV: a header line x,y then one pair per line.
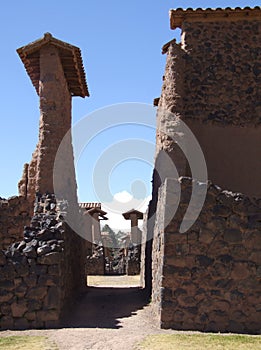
x,y
121,48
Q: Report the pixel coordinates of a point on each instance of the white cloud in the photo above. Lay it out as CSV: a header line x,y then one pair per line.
x,y
122,202
123,197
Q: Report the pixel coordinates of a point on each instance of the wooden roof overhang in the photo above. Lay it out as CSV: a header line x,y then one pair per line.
x,y
71,60
178,16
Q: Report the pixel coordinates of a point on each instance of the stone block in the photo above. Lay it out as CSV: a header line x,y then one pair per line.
x,y
19,308
53,298
31,280
21,290
5,309
48,315
206,236
36,293
34,305
2,258
240,271
7,322
46,280
232,235
50,259
30,316
5,296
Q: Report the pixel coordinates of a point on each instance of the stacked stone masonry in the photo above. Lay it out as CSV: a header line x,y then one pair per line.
x,y
15,213
41,274
207,278
230,72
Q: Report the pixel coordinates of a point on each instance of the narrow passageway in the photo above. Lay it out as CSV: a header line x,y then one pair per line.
x,y
105,307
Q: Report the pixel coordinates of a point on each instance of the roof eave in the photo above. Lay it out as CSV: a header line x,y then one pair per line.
x,y
177,16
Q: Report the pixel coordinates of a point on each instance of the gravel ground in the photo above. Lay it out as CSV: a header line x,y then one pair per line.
x,y
104,318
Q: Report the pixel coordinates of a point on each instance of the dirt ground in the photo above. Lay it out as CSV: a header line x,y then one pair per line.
x,y
104,318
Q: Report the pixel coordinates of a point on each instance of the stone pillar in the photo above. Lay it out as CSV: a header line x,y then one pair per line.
x,y
56,71
55,115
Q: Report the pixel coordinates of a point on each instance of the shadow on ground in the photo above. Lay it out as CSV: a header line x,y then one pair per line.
x,y
104,307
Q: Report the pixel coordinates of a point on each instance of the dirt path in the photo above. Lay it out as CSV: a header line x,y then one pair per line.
x,y
103,319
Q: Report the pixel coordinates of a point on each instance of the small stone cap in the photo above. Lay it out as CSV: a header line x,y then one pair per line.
x,y
96,210
71,60
127,215
179,15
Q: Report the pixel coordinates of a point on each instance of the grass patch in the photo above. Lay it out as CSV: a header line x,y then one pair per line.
x,y
26,343
200,341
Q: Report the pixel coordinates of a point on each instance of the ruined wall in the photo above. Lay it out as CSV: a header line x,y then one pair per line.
x,y
41,274
212,82
208,278
15,213
95,264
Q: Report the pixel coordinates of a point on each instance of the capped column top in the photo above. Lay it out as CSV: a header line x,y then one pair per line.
x,y
71,60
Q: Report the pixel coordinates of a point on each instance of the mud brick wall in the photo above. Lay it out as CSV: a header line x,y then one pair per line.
x,y
15,213
41,274
208,278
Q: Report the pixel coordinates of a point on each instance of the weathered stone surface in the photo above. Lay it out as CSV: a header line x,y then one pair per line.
x,y
37,293
21,323
232,235
34,305
49,259
50,315
5,309
5,296
52,299
217,277
7,322
2,258
46,280
19,309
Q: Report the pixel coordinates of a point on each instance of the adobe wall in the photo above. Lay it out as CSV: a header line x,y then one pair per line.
x,y
208,278
212,83
41,274
232,154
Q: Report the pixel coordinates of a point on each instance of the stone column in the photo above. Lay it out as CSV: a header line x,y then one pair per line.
x,y
55,115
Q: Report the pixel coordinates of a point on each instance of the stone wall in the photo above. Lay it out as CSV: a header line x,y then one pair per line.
x,y
15,213
41,274
208,278
134,260
95,264
222,63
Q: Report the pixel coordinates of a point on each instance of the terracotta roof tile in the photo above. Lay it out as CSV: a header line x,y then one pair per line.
x,y
177,16
90,205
